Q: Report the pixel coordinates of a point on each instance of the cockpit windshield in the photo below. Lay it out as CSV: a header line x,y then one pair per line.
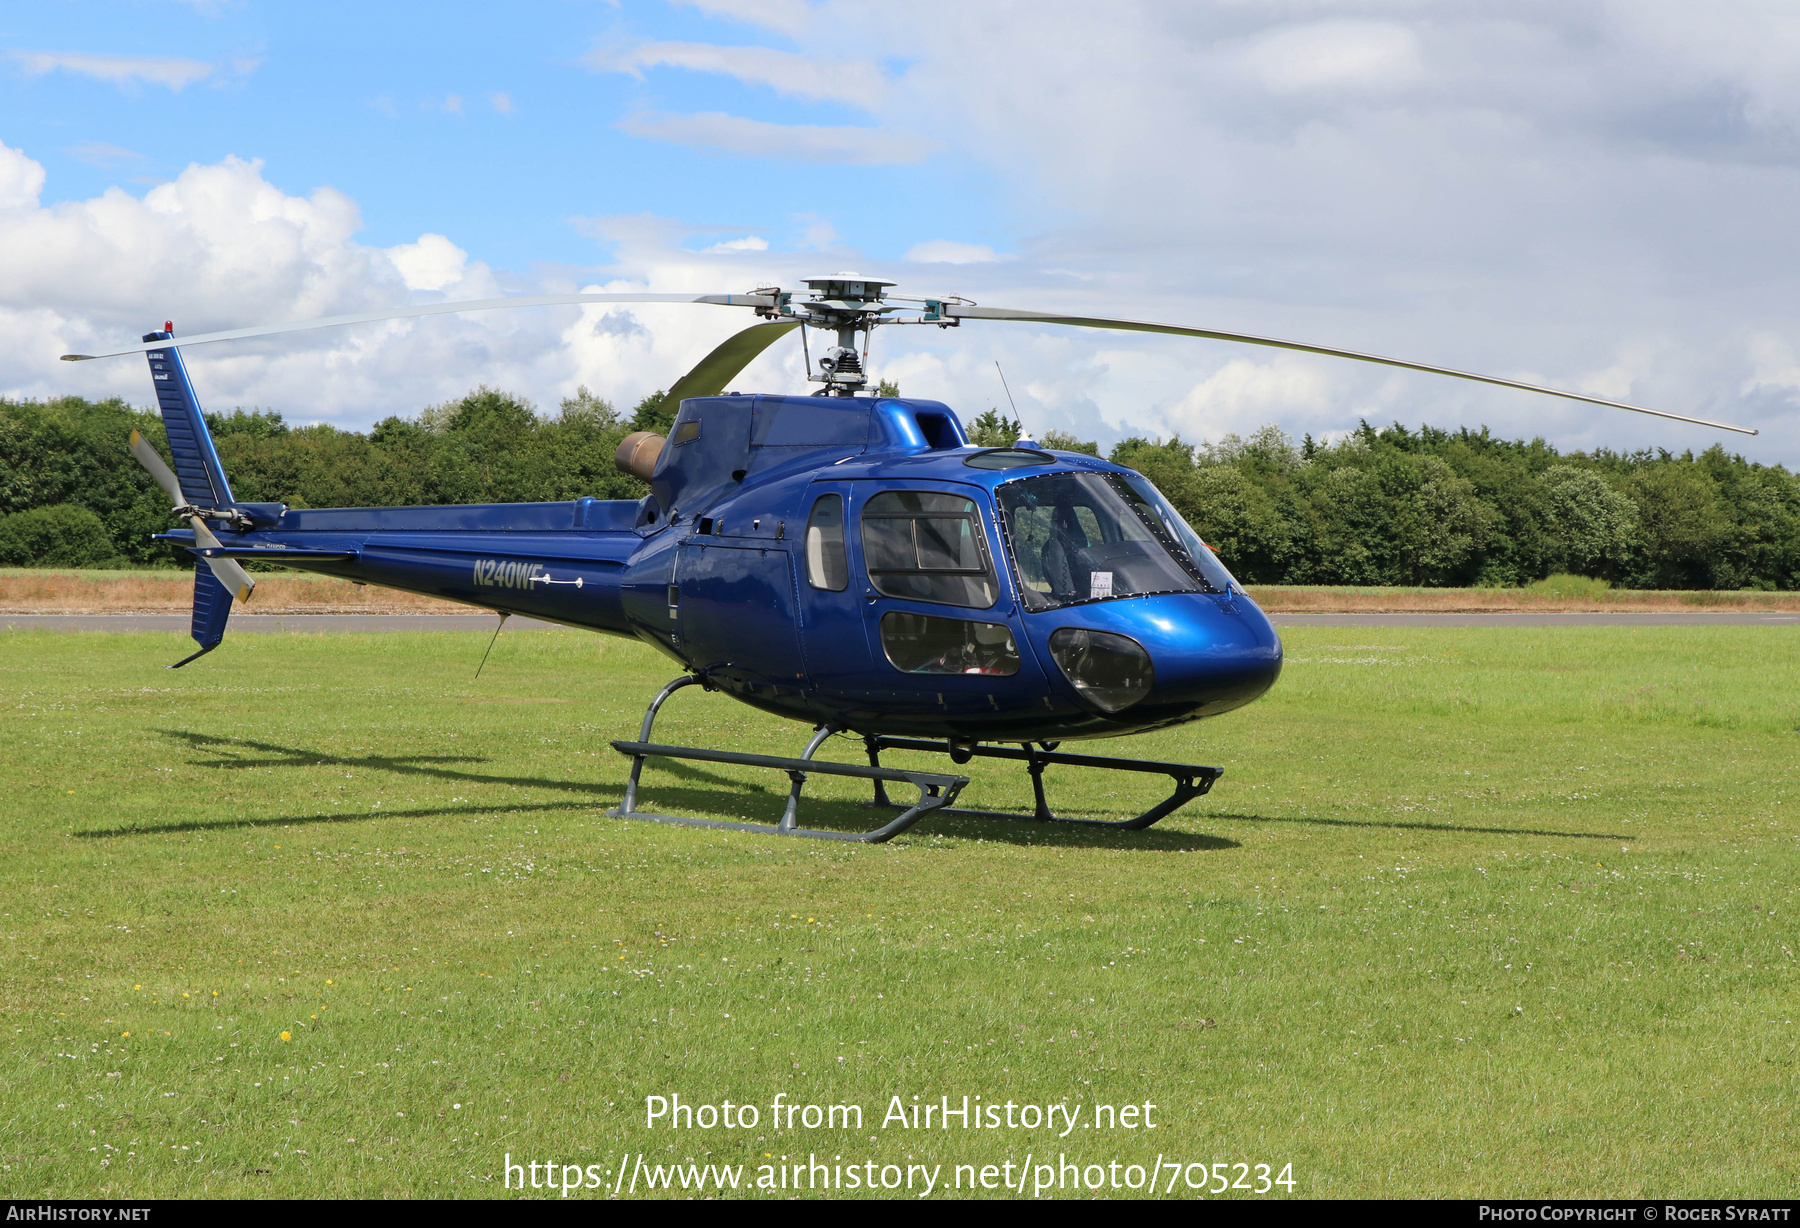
x,y
1089,536
1197,551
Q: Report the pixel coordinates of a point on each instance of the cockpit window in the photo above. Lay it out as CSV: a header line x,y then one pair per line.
x,y
1197,551
927,546
1089,536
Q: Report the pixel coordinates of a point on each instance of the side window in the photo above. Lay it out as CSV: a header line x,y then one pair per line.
x,y
825,565
925,644
927,546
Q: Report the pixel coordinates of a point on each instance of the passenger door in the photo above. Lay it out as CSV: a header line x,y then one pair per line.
x,y
944,630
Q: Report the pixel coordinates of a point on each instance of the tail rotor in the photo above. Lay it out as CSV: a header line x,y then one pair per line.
x,y
216,580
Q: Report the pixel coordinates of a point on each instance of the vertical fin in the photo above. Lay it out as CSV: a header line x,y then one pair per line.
x,y
197,464
212,606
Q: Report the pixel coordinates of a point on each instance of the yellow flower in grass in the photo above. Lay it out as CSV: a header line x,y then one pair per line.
x,y
287,1036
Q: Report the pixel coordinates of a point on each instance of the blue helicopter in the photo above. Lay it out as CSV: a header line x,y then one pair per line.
x,y
842,559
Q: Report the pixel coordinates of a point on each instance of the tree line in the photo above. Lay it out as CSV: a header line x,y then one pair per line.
x,y
1390,506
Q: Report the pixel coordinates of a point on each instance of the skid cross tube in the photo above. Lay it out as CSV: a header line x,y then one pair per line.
x,y
1191,780
936,790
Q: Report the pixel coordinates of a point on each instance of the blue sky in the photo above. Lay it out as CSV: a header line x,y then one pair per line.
x,y
1598,196
489,123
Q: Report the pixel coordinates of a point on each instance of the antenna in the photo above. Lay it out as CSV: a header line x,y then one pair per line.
x,y
1024,435
504,615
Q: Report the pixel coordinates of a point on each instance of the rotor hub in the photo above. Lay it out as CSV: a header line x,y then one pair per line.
x,y
850,307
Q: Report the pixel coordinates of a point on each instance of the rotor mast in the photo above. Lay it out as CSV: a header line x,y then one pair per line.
x,y
844,305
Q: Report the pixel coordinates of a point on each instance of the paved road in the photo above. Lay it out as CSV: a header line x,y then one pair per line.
x,y
253,623
271,622
1648,618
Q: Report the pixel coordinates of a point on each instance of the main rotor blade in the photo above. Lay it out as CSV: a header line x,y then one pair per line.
x,y
435,309
719,368
151,459
1140,326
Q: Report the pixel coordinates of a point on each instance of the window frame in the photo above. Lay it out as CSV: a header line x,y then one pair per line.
x,y
987,571
843,544
1011,653
1152,524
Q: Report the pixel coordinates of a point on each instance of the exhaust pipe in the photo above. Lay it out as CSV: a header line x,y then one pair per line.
x,y
638,453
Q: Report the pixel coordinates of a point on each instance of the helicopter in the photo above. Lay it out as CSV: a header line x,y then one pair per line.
x,y
844,559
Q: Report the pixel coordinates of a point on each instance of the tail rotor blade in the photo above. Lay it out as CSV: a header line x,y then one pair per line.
x,y
236,580
151,459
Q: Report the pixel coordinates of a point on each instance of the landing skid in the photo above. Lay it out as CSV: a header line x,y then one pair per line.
x,y
1191,780
936,790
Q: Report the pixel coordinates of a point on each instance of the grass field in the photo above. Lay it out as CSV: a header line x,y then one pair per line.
x,y
1472,912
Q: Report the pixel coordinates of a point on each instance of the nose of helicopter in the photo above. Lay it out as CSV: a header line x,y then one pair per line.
x,y
1209,654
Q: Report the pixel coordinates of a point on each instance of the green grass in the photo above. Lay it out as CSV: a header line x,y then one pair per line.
x,y
1472,912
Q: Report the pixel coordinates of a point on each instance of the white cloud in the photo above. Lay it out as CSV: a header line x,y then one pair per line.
x,y
754,138
220,247
500,102
1773,365
101,154
1242,395
1334,55
21,180
432,263
122,70
947,251
1617,382
816,234
859,83
749,243
782,16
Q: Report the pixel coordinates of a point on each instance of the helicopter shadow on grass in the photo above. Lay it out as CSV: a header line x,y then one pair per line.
x,y
726,798
270,755
839,814
1028,831
417,765
1448,828
836,815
